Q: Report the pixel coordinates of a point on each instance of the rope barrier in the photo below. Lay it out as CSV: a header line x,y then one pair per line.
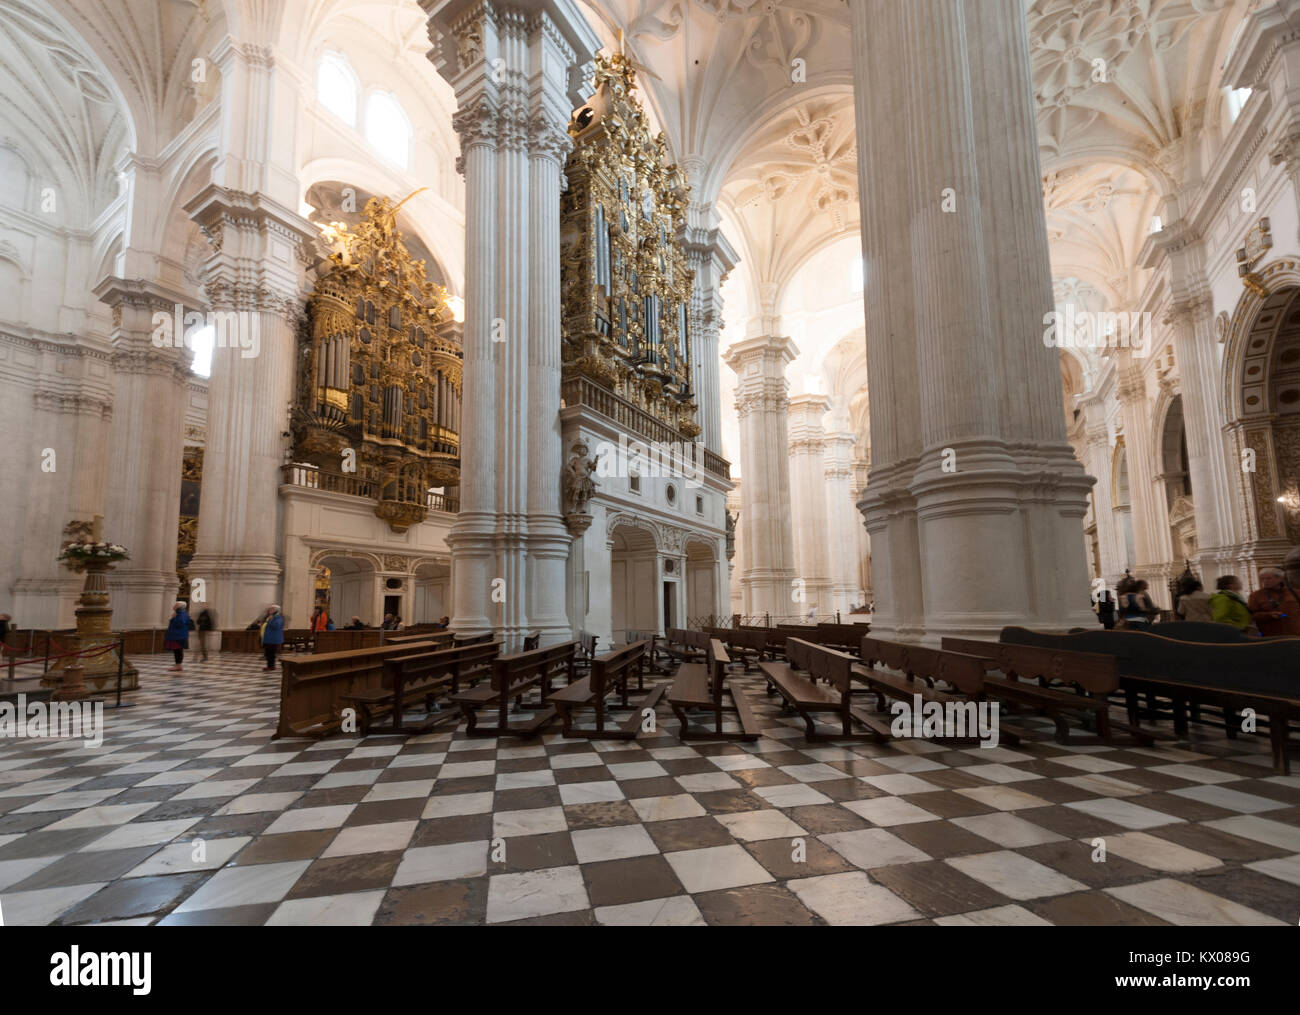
x,y
87,653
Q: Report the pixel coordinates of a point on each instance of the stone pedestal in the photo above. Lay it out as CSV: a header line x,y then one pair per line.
x,y
77,677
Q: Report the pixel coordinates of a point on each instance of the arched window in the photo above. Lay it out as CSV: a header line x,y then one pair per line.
x,y
336,87
388,130
202,343
1237,99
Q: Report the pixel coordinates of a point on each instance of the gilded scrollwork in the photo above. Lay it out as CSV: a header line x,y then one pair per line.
x,y
626,283
380,371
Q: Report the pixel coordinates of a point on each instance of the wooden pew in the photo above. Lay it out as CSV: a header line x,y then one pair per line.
x,y
652,652
1198,671
424,676
747,645
610,672
686,646
918,671
704,686
312,687
845,637
1087,682
810,700
512,677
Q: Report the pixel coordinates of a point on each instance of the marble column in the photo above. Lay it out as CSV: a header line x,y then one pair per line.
x,y
976,500
712,258
142,506
808,514
1152,544
842,521
1109,540
254,281
512,67
862,556
762,400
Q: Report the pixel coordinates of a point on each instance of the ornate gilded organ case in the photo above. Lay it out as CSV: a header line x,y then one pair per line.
x,y
626,288
379,383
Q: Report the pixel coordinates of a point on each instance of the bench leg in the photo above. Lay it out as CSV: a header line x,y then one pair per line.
x,y
1277,732
1180,717
1231,722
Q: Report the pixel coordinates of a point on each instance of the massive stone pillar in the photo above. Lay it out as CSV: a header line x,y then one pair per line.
x,y
511,64
808,504
712,258
762,400
1151,539
843,543
254,285
976,499
142,507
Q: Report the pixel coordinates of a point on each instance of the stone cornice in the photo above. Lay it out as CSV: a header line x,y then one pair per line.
x,y
73,404
58,345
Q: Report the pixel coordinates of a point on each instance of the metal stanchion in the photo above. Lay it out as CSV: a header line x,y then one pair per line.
x,y
121,664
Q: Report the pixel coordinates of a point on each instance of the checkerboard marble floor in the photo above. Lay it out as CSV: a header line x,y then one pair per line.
x,y
190,814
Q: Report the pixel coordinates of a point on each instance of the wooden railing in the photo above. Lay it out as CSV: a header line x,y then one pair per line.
x,y
584,391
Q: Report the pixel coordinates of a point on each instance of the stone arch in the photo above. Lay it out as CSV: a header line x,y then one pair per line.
x,y
352,584
1263,409
621,519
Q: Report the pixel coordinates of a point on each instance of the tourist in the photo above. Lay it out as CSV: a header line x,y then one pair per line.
x,y
318,620
356,625
6,622
444,623
205,624
387,625
177,638
1136,609
272,634
1194,603
1104,607
1275,609
397,623
1229,606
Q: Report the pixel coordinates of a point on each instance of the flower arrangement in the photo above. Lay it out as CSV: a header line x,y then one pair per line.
x,y
83,550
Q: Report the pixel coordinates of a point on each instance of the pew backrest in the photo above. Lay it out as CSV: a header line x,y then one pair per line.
x,y
518,672
836,668
608,669
1096,674
964,672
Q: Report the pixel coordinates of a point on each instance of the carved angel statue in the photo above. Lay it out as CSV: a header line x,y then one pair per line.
x,y
579,487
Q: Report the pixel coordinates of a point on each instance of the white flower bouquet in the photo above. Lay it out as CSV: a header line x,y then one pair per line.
x,y
84,550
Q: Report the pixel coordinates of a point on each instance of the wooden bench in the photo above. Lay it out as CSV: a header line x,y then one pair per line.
x,y
653,653
1027,675
610,672
425,676
704,687
686,646
845,637
809,700
746,644
513,677
1198,671
312,688
910,670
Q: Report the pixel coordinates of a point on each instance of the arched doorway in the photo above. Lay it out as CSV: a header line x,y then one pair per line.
x,y
432,592
701,585
1262,367
346,588
1176,477
635,593
1122,503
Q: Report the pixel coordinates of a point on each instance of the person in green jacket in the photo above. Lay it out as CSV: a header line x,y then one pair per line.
x,y
1228,605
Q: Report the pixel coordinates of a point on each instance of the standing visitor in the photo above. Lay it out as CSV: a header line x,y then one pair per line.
x,y
318,620
1105,609
1229,606
205,624
1194,603
1136,608
5,622
272,634
177,638
1275,609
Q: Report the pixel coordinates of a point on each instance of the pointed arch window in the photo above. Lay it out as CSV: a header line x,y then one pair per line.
x,y
388,129
337,87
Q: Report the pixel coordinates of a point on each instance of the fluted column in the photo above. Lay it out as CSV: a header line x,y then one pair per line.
x,y
842,520
254,282
1109,540
976,499
762,399
511,65
142,505
1152,544
808,512
712,258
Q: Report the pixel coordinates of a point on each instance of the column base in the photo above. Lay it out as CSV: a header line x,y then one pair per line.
x,y
238,587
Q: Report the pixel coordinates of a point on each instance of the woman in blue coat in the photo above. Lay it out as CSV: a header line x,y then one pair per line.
x,y
272,635
178,634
